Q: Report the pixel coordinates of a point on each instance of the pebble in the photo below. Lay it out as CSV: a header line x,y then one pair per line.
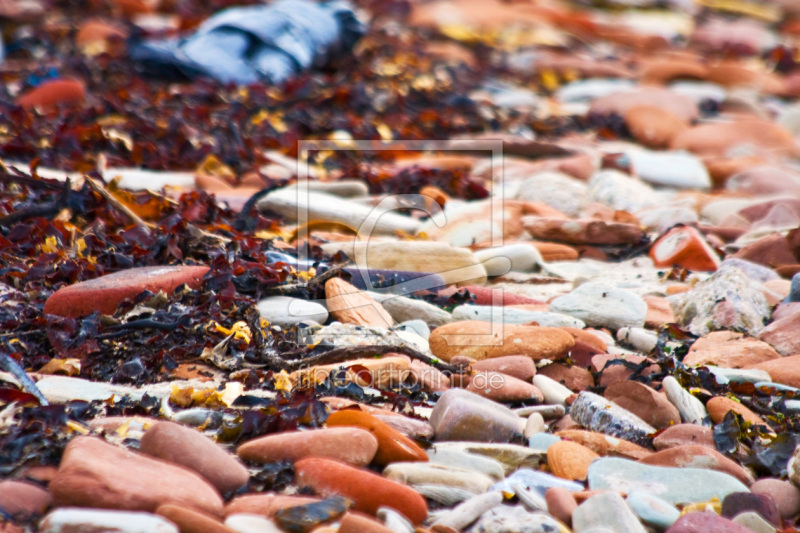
x,y
191,521
403,309
719,406
561,504
782,371
511,315
542,441
461,415
479,340
697,456
706,523
436,474
607,510
740,502
94,473
518,366
104,294
505,519
556,189
782,335
685,247
598,414
651,510
784,493
651,406
537,481
503,388
73,520
351,306
367,490
53,93
638,338
672,484
726,300
352,445
470,510
604,445
356,523
679,170
455,265
393,446
250,523
22,501
285,311
570,460
265,504
729,349
690,408
509,258
467,461
535,424
191,449
599,304
554,393
622,192
583,231
754,522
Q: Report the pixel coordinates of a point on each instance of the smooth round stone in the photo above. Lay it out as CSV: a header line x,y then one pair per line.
x,y
542,441
461,415
22,500
104,294
191,520
639,338
674,485
404,309
690,408
683,434
435,474
392,445
703,522
251,523
738,375
352,445
286,311
557,190
554,392
505,259
68,519
652,510
510,315
622,192
740,502
785,494
699,91
535,424
599,304
536,481
468,511
754,522
607,510
680,170
417,326
53,93
467,461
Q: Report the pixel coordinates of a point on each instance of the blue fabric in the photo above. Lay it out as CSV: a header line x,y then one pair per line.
x,y
256,43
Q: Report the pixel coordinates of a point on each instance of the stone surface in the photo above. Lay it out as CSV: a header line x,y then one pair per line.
x,y
104,294
583,231
415,474
349,445
785,495
607,510
785,370
73,520
356,523
466,461
602,305
654,127
604,445
685,247
392,445
191,449
503,388
740,502
575,378
555,189
697,456
554,393
510,258
570,460
511,315
690,408
462,415
599,414
191,520
518,366
729,349
673,485
54,93
719,406
285,311
560,503
351,306
367,490
703,522
94,473
482,340
679,170
651,406
726,300
467,512
22,501
403,309
783,335
265,504
506,518
651,510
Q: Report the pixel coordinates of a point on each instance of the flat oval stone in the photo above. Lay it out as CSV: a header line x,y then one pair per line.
x,y
393,446
53,93
785,494
353,445
603,305
674,485
433,474
66,520
606,510
461,415
286,311
104,294
23,501
510,315
599,414
652,510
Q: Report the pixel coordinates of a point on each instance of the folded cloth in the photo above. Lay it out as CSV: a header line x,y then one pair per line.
x,y
256,43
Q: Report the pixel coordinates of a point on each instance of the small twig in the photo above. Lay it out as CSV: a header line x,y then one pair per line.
x,y
100,189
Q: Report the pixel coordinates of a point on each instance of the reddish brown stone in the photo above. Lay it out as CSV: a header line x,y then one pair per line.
x,y
94,31
729,349
685,247
191,449
719,406
392,445
645,402
702,522
561,504
265,504
604,445
783,335
486,296
619,372
553,251
684,434
785,370
349,305
771,251
519,366
698,456
659,311
191,520
96,474
654,127
583,231
356,446
725,138
570,460
502,387
573,377
354,522
682,106
23,501
104,294
367,490
53,93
